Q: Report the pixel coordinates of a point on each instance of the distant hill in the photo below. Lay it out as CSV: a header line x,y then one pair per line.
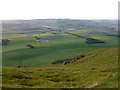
x,y
58,24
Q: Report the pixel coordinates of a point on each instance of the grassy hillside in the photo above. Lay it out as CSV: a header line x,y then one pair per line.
x,y
98,69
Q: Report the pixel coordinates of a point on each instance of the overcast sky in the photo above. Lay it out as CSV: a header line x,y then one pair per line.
x,y
44,9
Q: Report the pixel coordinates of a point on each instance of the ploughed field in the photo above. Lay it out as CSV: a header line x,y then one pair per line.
x,y
36,43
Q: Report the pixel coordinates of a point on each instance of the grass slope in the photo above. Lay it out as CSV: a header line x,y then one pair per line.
x,y
98,69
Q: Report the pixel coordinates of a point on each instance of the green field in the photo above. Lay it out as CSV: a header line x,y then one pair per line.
x,y
61,46
58,40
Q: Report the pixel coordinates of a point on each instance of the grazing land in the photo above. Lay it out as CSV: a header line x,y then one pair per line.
x,y
98,69
60,53
65,39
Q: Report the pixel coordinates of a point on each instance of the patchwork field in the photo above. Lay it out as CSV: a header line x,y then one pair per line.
x,y
60,53
60,46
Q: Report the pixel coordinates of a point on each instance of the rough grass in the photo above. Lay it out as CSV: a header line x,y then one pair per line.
x,y
99,69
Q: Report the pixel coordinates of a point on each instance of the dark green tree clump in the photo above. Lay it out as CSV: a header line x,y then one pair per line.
x,y
5,41
93,41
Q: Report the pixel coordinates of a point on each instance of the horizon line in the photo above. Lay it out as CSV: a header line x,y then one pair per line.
x,y
57,18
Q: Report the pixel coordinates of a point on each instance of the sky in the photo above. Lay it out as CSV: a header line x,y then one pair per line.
x,y
58,9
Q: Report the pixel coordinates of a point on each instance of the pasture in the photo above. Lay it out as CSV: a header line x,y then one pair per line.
x,y
98,69
60,47
60,53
